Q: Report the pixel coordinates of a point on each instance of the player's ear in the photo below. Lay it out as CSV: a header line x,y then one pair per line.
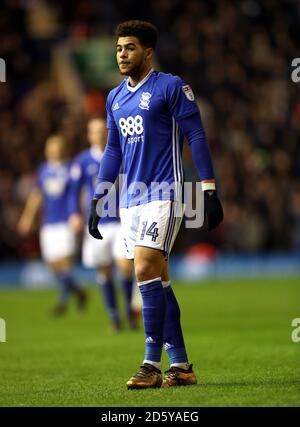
x,y
149,52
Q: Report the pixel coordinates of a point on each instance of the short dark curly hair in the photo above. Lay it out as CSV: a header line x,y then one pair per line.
x,y
145,31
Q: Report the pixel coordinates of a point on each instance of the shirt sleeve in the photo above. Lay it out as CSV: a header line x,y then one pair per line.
x,y
180,98
110,163
75,186
110,121
193,130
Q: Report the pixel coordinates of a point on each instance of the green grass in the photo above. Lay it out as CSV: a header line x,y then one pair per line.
x,y
238,335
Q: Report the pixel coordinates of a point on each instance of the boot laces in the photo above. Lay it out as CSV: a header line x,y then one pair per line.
x,y
144,372
171,374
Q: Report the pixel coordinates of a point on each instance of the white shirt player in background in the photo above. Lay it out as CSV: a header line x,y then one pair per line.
x,y
100,254
147,116
57,239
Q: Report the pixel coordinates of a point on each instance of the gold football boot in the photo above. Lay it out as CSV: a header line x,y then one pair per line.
x,y
147,377
177,376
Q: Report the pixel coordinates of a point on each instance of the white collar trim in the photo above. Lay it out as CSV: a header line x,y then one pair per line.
x,y
96,153
136,87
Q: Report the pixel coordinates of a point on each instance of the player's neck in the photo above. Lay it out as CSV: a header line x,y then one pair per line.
x,y
56,163
135,79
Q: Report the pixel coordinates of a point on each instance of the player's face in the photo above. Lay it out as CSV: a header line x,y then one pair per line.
x,y
132,57
97,133
54,150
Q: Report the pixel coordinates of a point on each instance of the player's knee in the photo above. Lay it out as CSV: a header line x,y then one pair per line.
x,y
125,269
104,276
106,272
146,270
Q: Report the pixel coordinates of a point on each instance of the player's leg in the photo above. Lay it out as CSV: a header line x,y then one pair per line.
x,y
98,254
173,337
136,300
125,271
148,267
148,263
64,292
108,291
180,372
57,243
63,269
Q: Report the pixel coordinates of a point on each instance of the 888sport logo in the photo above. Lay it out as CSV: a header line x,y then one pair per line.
x,y
133,128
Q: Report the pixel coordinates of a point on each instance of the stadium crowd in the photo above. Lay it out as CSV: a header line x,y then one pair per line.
x,y
236,56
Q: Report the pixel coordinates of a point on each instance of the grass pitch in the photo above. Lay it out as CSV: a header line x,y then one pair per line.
x,y
238,335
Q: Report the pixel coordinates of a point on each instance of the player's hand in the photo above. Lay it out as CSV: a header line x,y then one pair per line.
x,y
94,220
24,227
213,211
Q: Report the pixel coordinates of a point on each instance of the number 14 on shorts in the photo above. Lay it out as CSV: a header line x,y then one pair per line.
x,y
152,231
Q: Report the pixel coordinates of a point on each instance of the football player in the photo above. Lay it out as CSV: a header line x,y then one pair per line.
x,y
57,240
101,254
147,116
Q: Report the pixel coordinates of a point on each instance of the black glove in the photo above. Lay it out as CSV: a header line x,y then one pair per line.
x,y
94,220
213,211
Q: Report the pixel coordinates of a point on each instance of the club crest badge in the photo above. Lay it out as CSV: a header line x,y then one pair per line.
x,y
145,101
187,90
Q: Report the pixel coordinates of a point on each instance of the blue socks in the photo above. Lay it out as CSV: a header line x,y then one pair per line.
x,y
161,316
108,292
127,288
109,296
67,285
154,308
173,337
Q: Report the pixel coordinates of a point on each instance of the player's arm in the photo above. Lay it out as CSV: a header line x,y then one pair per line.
x,y
30,211
184,109
192,129
107,175
74,196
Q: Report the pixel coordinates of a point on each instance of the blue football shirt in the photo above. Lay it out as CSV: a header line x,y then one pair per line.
x,y
53,182
150,139
83,175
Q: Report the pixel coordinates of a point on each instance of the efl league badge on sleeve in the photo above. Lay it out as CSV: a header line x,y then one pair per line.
x,y
187,90
145,101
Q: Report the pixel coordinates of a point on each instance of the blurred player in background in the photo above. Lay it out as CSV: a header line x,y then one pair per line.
x,y
147,116
97,253
57,240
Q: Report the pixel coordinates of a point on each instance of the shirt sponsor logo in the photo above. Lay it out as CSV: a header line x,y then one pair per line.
x,y
131,126
145,101
54,186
